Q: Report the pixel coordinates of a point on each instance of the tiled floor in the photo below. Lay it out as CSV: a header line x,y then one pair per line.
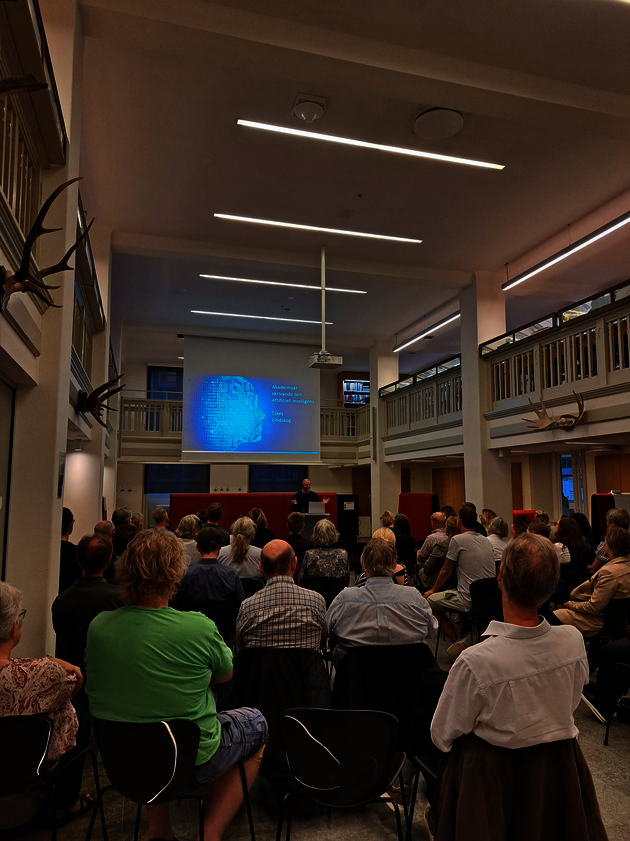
x,y
609,766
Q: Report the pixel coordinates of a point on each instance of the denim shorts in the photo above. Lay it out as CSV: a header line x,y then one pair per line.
x,y
243,732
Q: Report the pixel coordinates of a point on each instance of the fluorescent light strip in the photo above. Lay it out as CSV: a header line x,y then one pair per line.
x,y
263,317
313,228
399,150
279,283
428,332
567,252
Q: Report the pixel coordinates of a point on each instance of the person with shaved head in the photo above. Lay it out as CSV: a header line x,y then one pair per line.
x,y
282,615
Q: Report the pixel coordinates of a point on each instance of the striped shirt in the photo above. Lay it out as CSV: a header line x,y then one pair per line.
x,y
282,615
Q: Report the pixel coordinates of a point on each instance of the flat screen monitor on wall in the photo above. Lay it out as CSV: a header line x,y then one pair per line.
x,y
249,402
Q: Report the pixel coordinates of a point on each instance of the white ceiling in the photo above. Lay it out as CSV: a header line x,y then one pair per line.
x,y
543,86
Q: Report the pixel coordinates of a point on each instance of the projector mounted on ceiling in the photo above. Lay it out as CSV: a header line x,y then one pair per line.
x,y
324,360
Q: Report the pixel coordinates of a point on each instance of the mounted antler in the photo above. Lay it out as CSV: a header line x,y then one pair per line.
x,y
21,84
23,280
564,421
94,402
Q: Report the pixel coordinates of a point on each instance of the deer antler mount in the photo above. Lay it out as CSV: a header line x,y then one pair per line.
x,y
94,402
21,84
565,422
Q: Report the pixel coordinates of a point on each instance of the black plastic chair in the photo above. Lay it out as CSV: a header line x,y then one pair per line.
x,y
340,758
25,741
355,550
155,763
327,587
251,586
616,615
486,604
623,704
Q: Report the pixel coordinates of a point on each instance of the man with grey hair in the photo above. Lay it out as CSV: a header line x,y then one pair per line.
x,y
105,529
137,520
615,518
380,613
438,534
522,684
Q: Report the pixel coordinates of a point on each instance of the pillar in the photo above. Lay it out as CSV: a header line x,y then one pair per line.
x,y
487,474
385,476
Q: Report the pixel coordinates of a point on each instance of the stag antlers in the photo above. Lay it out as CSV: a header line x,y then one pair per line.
x,y
566,421
23,280
21,84
94,402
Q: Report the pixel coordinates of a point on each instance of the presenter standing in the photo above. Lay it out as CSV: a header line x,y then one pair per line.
x,y
304,496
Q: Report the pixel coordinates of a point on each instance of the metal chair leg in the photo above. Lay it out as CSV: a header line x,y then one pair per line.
x,y
608,723
412,805
288,835
401,782
98,806
201,821
281,816
136,832
248,805
398,821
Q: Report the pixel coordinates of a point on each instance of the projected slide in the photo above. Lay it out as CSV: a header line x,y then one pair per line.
x,y
229,414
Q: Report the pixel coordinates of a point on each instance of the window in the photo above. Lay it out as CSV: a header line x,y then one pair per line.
x,y
165,383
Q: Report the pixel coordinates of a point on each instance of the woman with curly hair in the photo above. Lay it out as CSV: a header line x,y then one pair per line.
x,y
240,554
147,662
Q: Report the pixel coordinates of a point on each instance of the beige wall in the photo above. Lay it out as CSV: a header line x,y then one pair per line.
x,y
336,480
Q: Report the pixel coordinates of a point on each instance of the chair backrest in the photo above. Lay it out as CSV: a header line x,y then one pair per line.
x,y
397,690
354,551
616,619
251,586
274,679
25,740
339,757
485,597
327,587
149,763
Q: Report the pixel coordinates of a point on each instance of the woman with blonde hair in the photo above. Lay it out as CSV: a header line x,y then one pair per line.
x,y
240,554
387,520
187,531
399,574
487,516
147,662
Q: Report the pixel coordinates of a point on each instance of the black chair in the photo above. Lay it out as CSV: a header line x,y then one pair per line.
x,y
327,587
154,763
616,615
486,604
340,758
622,706
25,741
355,550
251,586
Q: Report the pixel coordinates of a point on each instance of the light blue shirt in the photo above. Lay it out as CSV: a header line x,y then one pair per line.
x,y
380,613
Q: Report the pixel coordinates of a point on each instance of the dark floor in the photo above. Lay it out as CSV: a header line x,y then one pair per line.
x,y
609,766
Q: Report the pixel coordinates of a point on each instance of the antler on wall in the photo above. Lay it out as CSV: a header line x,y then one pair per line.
x,y
94,402
23,280
21,84
564,421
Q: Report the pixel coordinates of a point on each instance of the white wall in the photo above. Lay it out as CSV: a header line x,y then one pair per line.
x,y
232,476
130,476
336,480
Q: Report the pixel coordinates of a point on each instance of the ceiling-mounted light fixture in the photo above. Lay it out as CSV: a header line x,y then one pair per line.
x,y
606,229
313,228
282,283
262,317
309,107
432,329
364,144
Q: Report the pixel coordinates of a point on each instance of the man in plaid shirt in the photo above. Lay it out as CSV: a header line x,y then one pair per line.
x,y
281,615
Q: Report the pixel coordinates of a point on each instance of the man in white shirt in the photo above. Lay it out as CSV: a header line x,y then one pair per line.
x,y
521,685
471,555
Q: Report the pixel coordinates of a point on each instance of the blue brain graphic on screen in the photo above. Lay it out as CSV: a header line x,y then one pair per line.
x,y
229,413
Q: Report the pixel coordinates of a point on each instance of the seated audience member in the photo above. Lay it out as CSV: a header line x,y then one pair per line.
x,y
618,517
299,544
448,511
405,544
69,569
46,685
122,538
282,615
203,517
105,529
137,520
479,528
586,606
380,613
519,687
541,516
210,587
325,560
240,554
434,563
487,516
520,526
159,516
570,546
399,573
263,532
437,535
147,662
497,536
214,514
472,555
74,609
585,529
540,528
187,531
387,520
121,517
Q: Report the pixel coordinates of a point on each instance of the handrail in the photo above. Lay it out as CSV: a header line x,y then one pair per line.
x,y
421,376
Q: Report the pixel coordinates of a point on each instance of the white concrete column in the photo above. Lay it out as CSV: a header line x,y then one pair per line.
x,y
487,475
385,476
41,410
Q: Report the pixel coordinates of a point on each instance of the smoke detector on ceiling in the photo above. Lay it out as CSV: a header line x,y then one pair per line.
x,y
308,107
438,123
